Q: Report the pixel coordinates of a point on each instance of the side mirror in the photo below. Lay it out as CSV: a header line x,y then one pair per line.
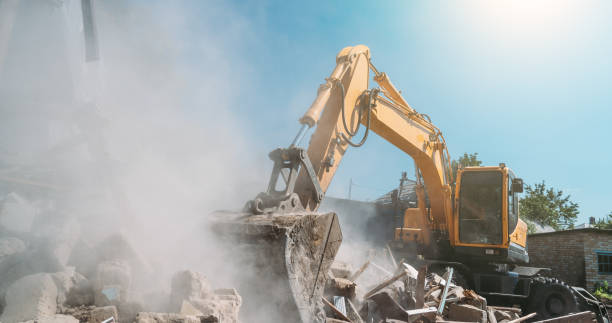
x,y
517,185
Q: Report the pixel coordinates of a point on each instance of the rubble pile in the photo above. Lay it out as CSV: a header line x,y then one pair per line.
x,y
50,273
405,294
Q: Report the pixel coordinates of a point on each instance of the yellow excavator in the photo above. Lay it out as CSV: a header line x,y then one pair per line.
x,y
470,223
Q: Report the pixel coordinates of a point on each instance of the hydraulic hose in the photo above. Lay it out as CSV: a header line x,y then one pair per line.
x,y
373,93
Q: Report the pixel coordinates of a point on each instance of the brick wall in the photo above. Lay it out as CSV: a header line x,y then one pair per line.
x,y
600,241
571,254
563,252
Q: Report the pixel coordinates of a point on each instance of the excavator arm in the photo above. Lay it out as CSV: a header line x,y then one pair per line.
x,y
282,220
342,103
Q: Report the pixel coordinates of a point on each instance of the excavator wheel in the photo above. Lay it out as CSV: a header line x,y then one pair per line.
x,y
289,256
550,297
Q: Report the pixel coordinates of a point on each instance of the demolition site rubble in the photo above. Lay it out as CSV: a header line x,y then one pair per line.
x,y
50,273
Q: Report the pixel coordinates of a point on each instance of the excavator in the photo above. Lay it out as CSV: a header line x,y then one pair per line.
x,y
470,222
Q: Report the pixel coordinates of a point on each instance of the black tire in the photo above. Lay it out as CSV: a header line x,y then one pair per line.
x,y
550,297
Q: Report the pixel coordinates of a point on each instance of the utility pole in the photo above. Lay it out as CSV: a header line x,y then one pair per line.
x,y
350,188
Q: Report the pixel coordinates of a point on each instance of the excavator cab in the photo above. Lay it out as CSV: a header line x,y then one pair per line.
x,y
486,220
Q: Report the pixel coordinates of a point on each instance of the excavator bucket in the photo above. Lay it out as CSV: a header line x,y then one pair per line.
x,y
290,254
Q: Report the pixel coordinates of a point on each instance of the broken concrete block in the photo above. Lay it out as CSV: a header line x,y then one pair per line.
x,y
502,315
65,281
342,287
188,309
101,314
33,261
32,297
422,314
117,247
466,313
188,285
81,313
112,282
144,317
57,318
230,302
10,245
225,312
341,269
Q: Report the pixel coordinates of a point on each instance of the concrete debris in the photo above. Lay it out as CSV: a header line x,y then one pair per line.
x,y
466,313
57,318
101,314
342,287
36,259
144,317
192,294
410,295
66,282
189,285
55,274
33,297
38,283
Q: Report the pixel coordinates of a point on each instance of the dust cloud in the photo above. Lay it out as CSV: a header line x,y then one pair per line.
x,y
142,143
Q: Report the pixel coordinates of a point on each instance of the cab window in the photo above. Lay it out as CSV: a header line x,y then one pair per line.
x,y
512,206
480,207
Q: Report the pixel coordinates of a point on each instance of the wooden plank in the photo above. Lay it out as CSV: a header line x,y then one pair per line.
x,y
420,287
582,317
491,315
385,284
336,310
360,271
524,318
507,309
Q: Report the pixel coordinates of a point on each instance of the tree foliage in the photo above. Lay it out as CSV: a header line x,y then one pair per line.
x,y
548,206
464,161
605,223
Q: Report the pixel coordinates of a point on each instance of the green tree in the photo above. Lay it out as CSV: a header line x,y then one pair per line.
x,y
548,206
464,161
605,223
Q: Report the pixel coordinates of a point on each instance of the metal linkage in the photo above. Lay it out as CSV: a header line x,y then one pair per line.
x,y
290,159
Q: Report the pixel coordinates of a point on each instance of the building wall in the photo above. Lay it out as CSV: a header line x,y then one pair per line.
x,y
571,254
563,252
596,242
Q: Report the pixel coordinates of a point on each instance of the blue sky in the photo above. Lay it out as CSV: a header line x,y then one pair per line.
x,y
521,82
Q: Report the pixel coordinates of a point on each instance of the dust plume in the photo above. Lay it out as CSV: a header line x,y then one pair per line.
x,y
143,142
